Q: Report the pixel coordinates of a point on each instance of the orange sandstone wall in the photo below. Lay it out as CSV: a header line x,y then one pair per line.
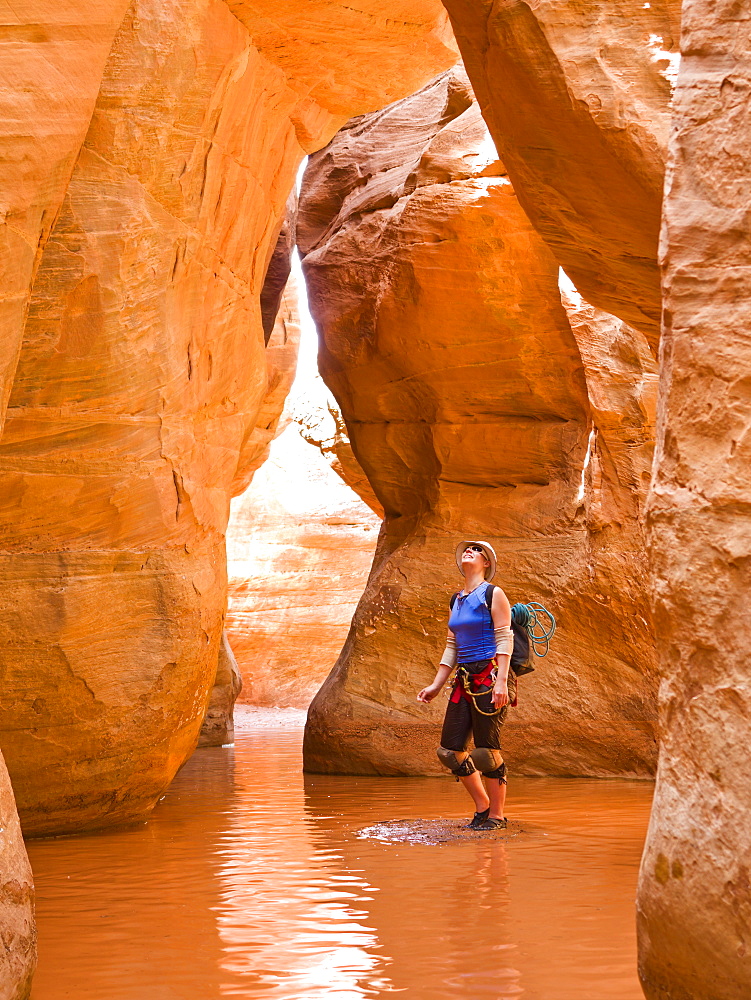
x,y
136,401
472,396
51,61
576,96
694,897
299,549
17,928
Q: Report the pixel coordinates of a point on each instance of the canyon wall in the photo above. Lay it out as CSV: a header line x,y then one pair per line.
x,y
466,391
577,97
694,899
17,929
51,61
279,315
142,373
218,727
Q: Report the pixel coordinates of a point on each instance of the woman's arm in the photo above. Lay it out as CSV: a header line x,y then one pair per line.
x,y
442,674
501,615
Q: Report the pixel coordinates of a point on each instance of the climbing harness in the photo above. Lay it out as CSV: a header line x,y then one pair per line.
x,y
462,686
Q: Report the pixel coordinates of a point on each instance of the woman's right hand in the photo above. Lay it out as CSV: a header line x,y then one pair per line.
x,y
428,693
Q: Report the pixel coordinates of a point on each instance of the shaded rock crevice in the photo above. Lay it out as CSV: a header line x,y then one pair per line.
x,y
218,726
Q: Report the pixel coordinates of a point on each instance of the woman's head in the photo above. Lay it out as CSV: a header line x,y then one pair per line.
x,y
476,555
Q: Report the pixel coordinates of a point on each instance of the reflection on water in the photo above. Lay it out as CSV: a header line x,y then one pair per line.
x,y
252,881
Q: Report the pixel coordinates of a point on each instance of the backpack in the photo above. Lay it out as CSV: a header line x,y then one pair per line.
x,y
524,620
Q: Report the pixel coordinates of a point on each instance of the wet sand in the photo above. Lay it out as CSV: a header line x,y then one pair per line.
x,y
254,881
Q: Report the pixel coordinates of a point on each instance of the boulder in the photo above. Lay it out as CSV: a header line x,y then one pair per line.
x,y
477,406
694,896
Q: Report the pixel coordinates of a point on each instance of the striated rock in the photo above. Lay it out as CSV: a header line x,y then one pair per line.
x,y
694,897
341,56
299,548
281,361
135,409
465,393
53,56
218,726
51,62
577,97
140,370
18,955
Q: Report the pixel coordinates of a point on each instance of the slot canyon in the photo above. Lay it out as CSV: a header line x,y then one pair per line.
x,y
297,296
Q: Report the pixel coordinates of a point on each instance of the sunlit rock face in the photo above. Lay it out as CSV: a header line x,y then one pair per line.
x,y
322,425
51,62
479,405
17,928
281,360
694,898
299,548
142,374
577,96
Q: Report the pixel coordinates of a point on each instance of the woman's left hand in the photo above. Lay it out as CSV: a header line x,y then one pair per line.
x,y
500,694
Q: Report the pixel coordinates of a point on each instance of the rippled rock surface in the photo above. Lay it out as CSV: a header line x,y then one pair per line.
x,y
694,899
577,97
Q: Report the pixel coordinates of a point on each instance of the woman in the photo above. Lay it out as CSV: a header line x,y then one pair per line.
x,y
479,644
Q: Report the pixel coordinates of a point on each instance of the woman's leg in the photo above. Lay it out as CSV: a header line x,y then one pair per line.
x,y
476,789
497,793
457,727
486,730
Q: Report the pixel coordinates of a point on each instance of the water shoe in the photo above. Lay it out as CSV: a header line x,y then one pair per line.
x,y
478,818
493,824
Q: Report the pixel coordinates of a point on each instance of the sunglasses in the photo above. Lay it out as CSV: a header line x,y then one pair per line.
x,y
475,548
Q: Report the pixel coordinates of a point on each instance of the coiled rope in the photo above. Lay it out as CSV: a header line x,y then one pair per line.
x,y
528,617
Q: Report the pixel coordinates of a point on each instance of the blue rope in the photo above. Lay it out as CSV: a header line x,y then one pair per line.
x,y
528,616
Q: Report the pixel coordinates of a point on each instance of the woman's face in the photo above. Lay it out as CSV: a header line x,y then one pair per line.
x,y
474,557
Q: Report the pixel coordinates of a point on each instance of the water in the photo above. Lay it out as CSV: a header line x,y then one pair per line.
x,y
252,880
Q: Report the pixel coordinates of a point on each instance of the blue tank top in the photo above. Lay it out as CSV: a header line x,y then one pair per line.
x,y
472,624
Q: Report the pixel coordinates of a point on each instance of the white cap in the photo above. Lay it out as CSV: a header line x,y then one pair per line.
x,y
486,548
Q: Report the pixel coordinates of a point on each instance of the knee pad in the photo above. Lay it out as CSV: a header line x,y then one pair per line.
x,y
459,762
490,762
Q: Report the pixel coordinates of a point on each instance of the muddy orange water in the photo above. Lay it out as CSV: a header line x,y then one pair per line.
x,y
252,880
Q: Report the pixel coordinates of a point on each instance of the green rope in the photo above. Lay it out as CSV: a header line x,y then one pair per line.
x,y
528,617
